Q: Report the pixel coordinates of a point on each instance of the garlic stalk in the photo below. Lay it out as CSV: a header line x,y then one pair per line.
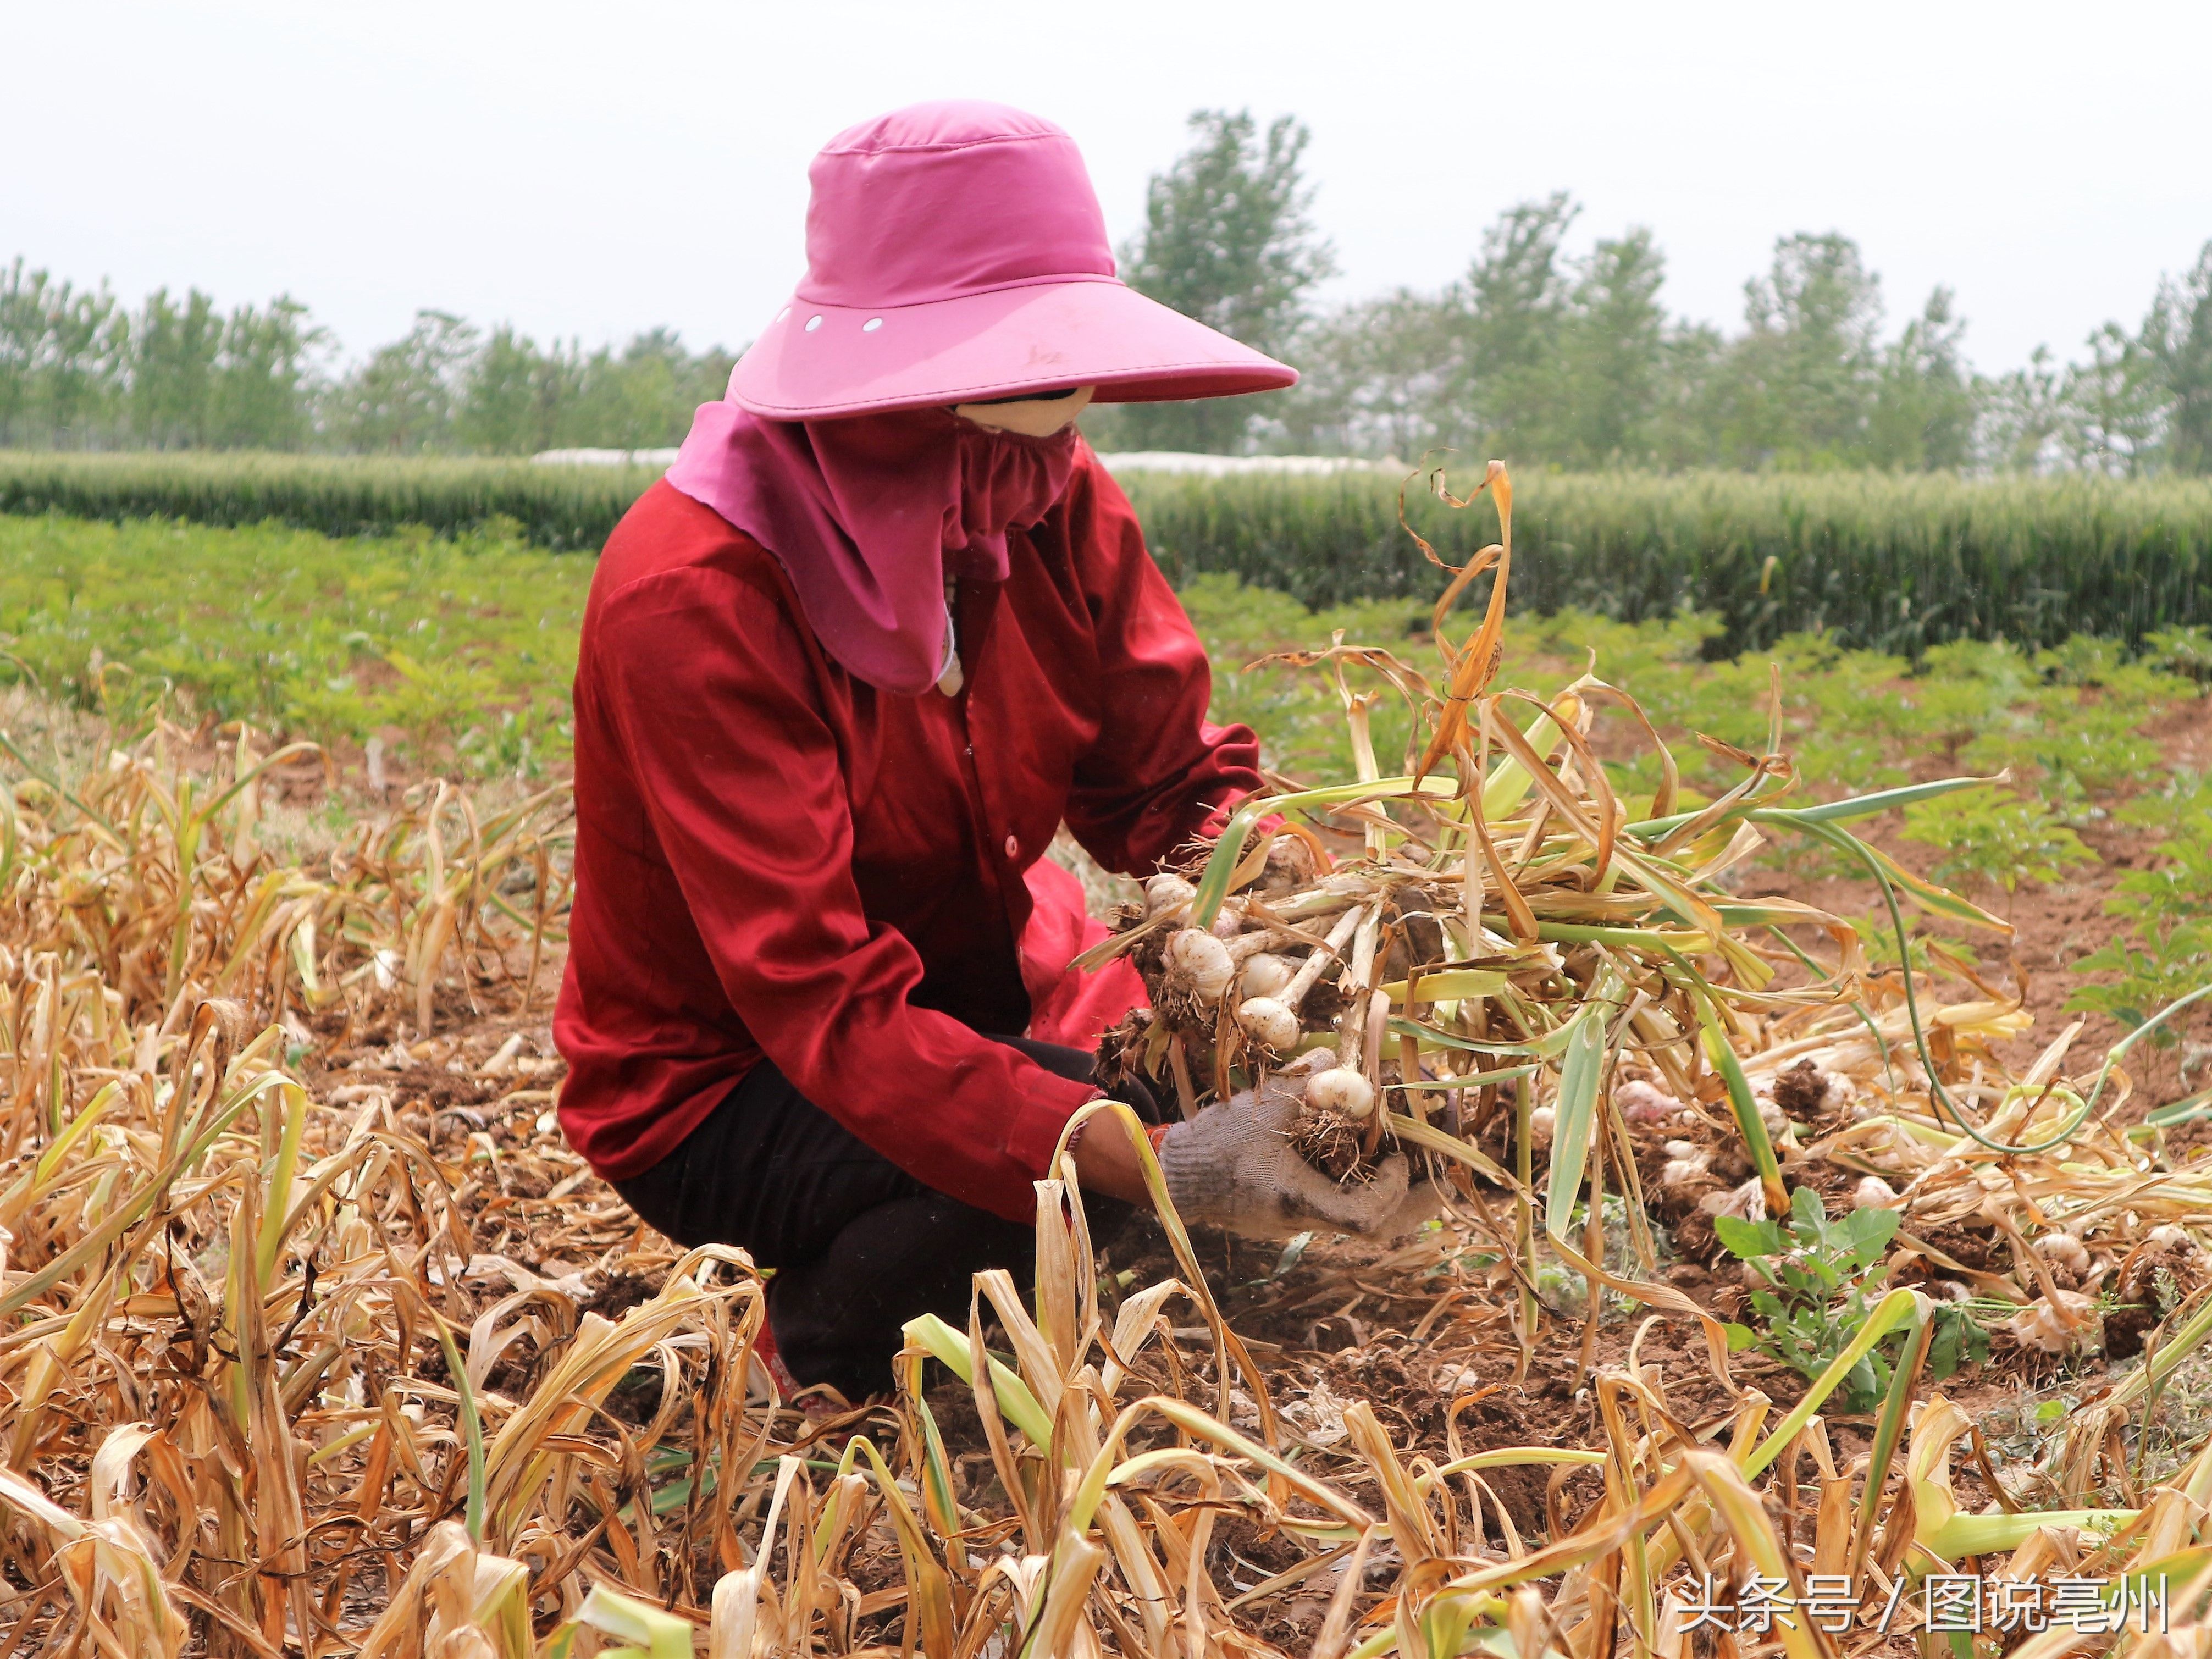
x,y
1317,962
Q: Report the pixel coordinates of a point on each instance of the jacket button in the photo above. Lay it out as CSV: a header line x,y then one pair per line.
x,y
1014,848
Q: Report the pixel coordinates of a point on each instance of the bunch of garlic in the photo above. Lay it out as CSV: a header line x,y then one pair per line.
x,y
1269,1018
1167,896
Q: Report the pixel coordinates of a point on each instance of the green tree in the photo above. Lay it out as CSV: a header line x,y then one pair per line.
x,y
1799,386
402,400
2117,405
1516,300
61,353
171,366
1377,380
2021,416
267,378
1227,240
515,396
2177,338
1613,356
1922,419
1689,425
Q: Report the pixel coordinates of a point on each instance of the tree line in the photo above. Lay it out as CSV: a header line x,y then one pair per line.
x,y
80,370
1547,357
1572,360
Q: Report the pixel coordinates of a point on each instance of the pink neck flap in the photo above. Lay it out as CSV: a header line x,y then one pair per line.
x,y
869,516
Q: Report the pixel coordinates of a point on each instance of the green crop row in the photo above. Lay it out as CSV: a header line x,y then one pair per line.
x,y
1887,562
560,507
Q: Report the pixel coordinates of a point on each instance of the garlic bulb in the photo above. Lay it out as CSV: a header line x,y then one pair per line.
x,y
1645,1103
2068,1255
2041,1326
1745,1203
1200,963
1227,923
1541,1122
1165,893
1873,1193
1342,1091
1687,1161
1265,974
1268,1024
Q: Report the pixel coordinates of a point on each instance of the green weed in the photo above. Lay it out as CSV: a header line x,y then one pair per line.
x,y
1818,1275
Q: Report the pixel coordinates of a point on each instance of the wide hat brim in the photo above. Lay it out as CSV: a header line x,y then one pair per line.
x,y
819,362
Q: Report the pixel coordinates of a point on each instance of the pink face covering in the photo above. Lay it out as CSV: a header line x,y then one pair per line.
x,y
868,515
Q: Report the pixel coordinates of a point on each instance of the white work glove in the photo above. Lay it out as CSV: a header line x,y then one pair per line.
x,y
1232,1167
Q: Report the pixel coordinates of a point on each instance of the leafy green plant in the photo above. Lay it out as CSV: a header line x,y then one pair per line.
x,y
2166,951
2184,651
1814,1270
2074,747
1818,1275
1995,837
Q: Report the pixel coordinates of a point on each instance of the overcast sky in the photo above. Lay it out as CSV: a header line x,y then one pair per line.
x,y
592,170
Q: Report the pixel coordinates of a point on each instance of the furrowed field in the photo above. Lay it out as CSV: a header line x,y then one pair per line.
x,y
315,1337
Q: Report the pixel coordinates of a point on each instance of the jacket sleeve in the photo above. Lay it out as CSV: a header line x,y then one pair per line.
x,y
708,684
1160,773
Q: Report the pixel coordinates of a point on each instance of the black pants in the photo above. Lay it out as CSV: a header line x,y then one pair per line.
x,y
859,1246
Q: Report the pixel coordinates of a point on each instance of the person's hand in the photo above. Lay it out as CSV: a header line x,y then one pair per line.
x,y
1232,1167
1106,1161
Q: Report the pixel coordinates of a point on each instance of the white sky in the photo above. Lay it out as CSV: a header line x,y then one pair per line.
x,y
596,169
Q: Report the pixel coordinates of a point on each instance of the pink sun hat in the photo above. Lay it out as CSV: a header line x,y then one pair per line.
x,y
956,253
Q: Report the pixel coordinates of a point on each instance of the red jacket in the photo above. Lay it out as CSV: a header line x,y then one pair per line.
x,y
774,858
